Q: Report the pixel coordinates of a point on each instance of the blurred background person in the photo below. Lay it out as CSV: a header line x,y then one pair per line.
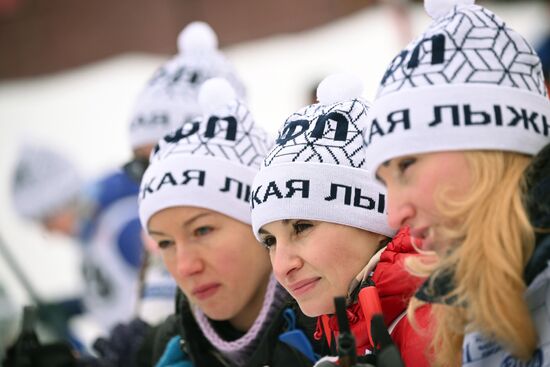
x,y
47,188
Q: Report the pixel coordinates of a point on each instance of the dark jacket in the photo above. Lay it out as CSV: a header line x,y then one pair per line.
x,y
269,352
537,202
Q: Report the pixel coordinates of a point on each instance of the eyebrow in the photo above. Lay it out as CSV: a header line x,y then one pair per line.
x,y
149,231
185,224
194,218
263,231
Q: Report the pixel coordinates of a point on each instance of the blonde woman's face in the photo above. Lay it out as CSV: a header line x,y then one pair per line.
x,y
413,182
215,260
317,261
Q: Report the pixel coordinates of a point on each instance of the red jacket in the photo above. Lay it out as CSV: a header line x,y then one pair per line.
x,y
395,287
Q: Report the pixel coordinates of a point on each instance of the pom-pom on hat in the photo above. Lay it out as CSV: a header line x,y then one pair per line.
x,y
469,82
209,162
316,169
439,8
170,98
43,182
197,37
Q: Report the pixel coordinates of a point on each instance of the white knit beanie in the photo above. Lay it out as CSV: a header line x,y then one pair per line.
x,y
316,169
170,97
210,162
43,182
469,82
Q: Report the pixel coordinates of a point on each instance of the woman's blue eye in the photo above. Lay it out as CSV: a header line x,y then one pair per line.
x,y
269,241
202,231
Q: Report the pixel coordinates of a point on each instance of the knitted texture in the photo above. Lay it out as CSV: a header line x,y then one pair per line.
x,y
469,82
240,350
210,163
170,97
316,169
232,136
469,45
335,137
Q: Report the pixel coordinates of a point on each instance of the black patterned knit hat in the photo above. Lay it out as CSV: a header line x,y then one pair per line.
x,y
209,162
170,98
316,169
469,82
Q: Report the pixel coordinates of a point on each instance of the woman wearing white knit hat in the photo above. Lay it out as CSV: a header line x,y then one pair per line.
x,y
324,223
167,101
194,202
472,182
46,188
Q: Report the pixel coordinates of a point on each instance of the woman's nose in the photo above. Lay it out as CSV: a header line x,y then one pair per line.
x,y
189,261
284,260
400,210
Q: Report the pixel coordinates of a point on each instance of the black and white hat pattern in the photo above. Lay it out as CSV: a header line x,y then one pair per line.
x,y
210,161
170,98
469,82
316,169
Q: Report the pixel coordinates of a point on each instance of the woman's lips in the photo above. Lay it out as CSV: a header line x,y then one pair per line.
x,y
423,239
206,290
303,286
418,237
419,233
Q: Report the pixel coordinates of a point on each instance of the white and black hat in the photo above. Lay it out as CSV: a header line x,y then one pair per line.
x,y
170,98
469,82
316,169
210,162
43,182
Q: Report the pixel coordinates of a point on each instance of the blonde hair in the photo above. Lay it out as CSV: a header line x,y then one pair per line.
x,y
491,241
